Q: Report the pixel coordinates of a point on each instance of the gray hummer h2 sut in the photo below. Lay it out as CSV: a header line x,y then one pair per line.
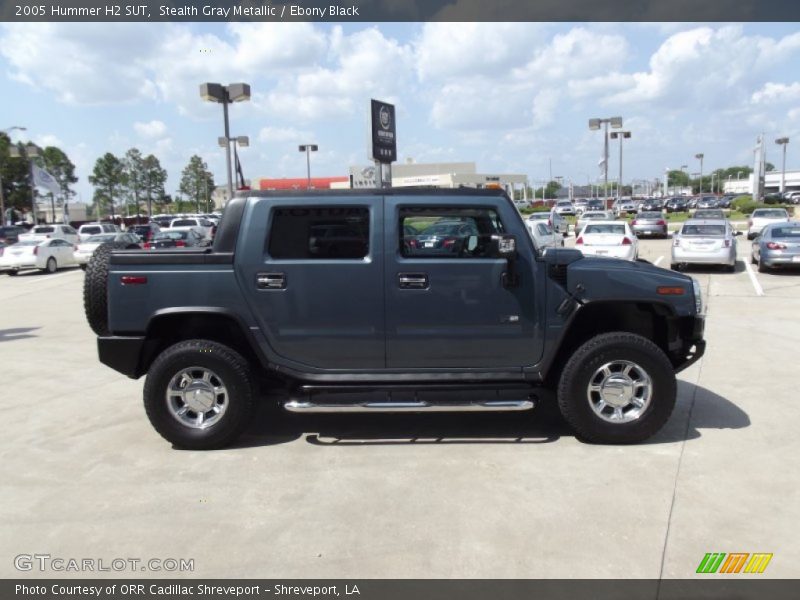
x,y
390,301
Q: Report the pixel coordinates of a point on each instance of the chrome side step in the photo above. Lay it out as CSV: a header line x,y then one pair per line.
x,y
301,406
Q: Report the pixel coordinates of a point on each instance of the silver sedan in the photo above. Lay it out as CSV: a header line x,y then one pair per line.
x,y
778,245
704,242
649,223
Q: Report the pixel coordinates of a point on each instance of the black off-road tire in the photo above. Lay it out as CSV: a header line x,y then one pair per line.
x,y
95,287
231,368
576,376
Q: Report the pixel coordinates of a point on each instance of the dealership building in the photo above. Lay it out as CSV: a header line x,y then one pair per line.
x,y
772,183
433,175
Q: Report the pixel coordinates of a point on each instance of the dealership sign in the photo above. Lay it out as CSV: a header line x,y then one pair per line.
x,y
384,134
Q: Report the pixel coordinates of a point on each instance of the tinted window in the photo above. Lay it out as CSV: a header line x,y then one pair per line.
x,y
772,213
99,239
611,228
171,235
704,230
451,232
90,230
319,232
785,232
42,230
184,223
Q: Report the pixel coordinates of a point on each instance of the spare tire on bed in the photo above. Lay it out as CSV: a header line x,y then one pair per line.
x,y
95,287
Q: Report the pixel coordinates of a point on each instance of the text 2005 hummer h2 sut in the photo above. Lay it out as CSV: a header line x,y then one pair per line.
x,y
390,301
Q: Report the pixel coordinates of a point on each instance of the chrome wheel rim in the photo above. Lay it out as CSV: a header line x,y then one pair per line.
x,y
620,391
197,397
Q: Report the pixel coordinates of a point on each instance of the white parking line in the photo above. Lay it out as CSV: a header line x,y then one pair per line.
x,y
45,277
658,260
756,285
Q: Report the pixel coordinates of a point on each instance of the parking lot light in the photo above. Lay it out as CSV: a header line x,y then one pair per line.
x,y
783,142
699,156
308,149
234,92
594,125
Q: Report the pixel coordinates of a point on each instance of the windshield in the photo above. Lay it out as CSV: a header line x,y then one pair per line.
x,y
172,235
443,229
786,232
184,223
778,213
605,228
704,230
99,239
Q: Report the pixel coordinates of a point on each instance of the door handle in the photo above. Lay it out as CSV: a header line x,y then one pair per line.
x,y
271,281
413,281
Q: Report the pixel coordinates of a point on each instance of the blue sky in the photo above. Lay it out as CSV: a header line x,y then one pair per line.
x,y
510,96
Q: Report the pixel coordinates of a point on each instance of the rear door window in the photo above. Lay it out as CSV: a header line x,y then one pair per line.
x,y
319,233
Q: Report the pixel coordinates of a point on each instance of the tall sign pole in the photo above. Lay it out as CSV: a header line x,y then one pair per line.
x,y
384,141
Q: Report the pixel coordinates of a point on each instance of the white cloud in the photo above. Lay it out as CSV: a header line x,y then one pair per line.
x,y
152,130
455,50
282,134
777,92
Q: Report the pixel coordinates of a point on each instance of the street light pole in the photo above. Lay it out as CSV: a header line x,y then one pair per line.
x,y
621,135
226,94
783,142
2,195
594,124
308,149
700,157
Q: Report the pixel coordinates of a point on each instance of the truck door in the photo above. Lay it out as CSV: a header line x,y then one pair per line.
x,y
446,305
312,270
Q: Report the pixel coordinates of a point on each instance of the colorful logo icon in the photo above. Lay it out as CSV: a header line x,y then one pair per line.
x,y
734,562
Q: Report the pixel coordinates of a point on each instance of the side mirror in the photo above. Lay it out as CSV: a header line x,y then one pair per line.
x,y
503,246
738,232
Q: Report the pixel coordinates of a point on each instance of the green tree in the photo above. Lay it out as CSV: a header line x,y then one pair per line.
x,y
57,163
197,182
15,174
108,179
133,163
153,181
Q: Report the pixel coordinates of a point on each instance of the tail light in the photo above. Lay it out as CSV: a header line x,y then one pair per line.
x,y
661,222
180,244
633,222
412,243
36,250
727,243
626,241
776,246
449,243
147,245
579,241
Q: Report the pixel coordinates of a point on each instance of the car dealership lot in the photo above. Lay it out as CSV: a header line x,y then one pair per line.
x,y
474,495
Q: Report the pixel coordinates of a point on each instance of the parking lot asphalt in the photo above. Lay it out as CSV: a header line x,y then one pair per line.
x,y
474,496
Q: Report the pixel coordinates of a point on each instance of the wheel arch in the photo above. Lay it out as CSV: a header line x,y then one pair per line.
x,y
653,321
170,326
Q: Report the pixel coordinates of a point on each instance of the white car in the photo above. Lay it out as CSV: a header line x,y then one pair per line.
x,y
543,235
760,218
564,207
202,227
593,215
87,230
553,219
84,250
612,239
46,232
47,255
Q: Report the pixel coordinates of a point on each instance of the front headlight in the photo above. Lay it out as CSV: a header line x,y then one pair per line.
x,y
698,297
